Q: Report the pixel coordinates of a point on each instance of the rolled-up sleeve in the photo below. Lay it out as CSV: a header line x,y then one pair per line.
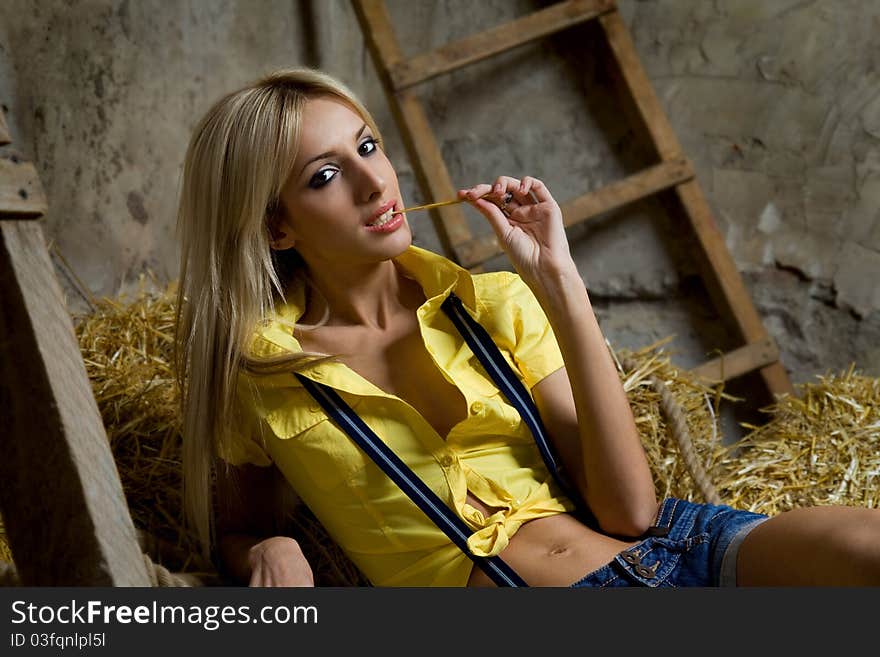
x,y
519,324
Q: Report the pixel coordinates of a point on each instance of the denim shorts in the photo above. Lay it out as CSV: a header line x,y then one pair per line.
x,y
691,544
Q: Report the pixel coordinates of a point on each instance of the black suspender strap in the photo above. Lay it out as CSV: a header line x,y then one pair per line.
x,y
426,499
487,352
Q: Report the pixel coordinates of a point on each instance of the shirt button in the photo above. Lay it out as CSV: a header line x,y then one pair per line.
x,y
477,408
446,460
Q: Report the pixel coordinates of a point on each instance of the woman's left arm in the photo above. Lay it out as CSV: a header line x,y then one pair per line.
x,y
615,479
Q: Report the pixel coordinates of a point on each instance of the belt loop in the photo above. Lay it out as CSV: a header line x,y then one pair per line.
x,y
664,518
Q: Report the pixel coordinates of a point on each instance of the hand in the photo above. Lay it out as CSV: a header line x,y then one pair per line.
x,y
279,561
529,225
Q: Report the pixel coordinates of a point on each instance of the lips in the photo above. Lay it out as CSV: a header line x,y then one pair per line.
x,y
383,215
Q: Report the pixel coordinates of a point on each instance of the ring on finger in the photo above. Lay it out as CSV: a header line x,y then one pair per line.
x,y
507,198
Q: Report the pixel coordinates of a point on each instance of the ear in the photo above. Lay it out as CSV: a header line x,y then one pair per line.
x,y
281,236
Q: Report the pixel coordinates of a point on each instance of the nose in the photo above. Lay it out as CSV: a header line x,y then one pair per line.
x,y
372,182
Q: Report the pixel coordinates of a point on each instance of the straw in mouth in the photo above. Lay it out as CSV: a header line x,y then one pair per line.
x,y
428,206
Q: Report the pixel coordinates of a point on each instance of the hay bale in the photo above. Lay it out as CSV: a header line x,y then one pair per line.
x,y
699,403
127,346
821,447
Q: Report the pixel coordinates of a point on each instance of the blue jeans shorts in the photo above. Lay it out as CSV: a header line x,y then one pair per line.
x,y
691,544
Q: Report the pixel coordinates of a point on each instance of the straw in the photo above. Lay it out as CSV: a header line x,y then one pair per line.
x,y
428,206
439,204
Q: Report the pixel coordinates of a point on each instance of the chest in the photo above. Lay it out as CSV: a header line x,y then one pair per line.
x,y
397,362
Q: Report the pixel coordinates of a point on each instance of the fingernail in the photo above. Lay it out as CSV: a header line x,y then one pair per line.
x,y
498,187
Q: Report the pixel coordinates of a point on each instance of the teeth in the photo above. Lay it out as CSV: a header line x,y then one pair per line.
x,y
384,219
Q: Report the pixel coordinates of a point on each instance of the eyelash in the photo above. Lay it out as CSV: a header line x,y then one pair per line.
x,y
317,181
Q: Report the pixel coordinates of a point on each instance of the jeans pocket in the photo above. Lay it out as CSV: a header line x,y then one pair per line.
x,y
651,562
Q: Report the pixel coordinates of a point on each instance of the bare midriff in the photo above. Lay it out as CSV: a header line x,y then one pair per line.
x,y
556,550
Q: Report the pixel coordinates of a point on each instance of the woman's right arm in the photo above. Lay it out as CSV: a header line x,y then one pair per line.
x,y
249,548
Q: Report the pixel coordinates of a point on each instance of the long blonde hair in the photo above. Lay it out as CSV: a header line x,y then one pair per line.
x,y
238,160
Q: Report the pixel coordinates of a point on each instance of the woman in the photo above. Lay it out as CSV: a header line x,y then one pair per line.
x,y
295,259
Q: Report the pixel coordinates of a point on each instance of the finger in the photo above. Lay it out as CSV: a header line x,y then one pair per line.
x,y
521,191
475,192
489,192
496,218
537,189
503,185
256,577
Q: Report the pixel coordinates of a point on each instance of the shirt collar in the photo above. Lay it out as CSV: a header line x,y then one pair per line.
x,y
437,275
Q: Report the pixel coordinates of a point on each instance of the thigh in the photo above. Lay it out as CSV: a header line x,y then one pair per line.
x,y
813,546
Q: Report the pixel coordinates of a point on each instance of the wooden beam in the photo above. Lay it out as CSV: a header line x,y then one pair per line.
x,y
469,50
751,357
632,188
593,204
638,87
21,194
725,283
61,499
418,138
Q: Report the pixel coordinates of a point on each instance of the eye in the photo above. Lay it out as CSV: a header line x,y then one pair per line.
x,y
322,177
368,145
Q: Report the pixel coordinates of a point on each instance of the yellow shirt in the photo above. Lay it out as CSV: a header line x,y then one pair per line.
x,y
490,453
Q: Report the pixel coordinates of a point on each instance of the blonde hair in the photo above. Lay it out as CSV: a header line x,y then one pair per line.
x,y
238,160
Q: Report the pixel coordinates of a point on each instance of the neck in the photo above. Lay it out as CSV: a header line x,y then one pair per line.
x,y
367,295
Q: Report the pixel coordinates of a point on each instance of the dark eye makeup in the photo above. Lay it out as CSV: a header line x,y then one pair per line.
x,y
327,173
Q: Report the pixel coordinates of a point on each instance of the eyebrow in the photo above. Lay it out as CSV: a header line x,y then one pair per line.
x,y
329,153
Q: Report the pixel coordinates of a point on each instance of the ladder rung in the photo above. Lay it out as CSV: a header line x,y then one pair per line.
x,y
748,358
4,131
21,195
468,50
632,188
640,185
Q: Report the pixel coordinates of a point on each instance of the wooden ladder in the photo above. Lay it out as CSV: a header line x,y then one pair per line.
x,y
672,174
62,503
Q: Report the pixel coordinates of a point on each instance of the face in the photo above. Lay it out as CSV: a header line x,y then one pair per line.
x,y
338,199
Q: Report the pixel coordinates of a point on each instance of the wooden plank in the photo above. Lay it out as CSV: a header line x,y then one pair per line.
x,y
638,87
593,204
471,49
4,131
632,188
418,138
724,282
21,194
753,356
62,503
